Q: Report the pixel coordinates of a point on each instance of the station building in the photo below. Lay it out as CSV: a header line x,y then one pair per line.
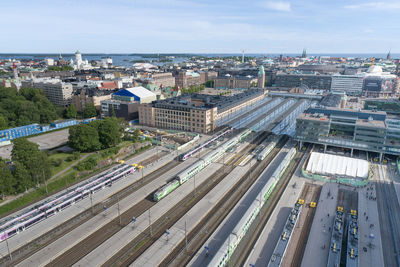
x,y
234,82
312,81
195,112
345,128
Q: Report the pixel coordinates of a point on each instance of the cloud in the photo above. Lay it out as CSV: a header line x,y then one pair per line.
x,y
277,5
375,5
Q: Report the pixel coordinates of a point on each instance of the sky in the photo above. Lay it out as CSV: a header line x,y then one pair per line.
x,y
203,26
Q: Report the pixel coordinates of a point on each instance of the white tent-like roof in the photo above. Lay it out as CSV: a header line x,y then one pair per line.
x,y
327,164
141,92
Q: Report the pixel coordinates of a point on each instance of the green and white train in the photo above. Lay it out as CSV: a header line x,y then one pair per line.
x,y
265,152
200,164
222,256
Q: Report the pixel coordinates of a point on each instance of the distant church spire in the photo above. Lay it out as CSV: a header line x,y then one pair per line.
x,y
388,55
304,55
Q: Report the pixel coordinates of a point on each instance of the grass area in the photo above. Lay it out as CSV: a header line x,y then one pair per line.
x,y
65,160
59,183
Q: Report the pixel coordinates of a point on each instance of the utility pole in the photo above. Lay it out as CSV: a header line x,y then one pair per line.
x,y
45,183
119,213
8,248
223,161
151,232
185,238
194,182
91,202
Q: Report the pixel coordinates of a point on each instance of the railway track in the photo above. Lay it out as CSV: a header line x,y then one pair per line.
x,y
389,220
297,245
32,247
137,246
242,252
181,256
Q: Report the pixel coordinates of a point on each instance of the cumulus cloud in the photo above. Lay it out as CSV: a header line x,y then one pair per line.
x,y
375,5
277,5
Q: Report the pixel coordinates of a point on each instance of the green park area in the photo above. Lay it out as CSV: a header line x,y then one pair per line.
x,y
30,175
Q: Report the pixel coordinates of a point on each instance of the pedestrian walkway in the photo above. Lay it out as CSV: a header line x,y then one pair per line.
x,y
369,246
318,243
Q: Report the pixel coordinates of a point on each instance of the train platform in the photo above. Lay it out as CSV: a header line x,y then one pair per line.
x,y
62,244
318,243
298,241
397,188
373,256
265,245
226,227
154,255
114,244
43,227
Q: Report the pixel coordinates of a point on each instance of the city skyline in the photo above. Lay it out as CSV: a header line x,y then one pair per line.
x,y
199,26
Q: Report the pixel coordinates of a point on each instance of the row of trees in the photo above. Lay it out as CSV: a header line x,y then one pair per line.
x,y
71,112
27,106
60,68
30,167
192,89
96,135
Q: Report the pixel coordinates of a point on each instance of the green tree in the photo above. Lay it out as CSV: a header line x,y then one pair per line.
x,y
210,83
25,107
60,68
43,172
71,112
3,122
89,111
23,150
35,161
84,138
22,177
135,135
7,181
109,132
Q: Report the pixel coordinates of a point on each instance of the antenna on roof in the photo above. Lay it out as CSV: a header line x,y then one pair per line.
x,y
242,55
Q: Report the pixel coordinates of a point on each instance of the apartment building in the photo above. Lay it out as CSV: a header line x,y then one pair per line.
x,y
58,92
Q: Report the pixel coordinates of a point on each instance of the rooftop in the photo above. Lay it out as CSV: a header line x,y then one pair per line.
x,y
315,117
371,123
139,91
203,101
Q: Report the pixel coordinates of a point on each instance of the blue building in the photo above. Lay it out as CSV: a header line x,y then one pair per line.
x,y
10,134
63,124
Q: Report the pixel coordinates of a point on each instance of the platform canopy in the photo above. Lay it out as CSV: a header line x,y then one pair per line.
x,y
329,165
